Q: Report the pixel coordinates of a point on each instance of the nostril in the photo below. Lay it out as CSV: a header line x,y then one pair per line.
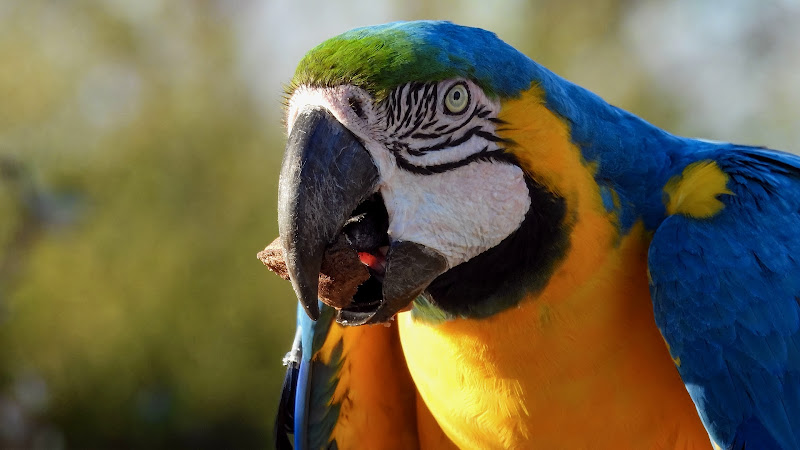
x,y
357,106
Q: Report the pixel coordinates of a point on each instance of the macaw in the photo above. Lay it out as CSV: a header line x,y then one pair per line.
x,y
546,270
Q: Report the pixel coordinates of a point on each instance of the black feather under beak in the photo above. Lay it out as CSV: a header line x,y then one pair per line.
x,y
326,174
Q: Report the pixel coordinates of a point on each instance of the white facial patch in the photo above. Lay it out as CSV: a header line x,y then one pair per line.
x,y
439,182
460,213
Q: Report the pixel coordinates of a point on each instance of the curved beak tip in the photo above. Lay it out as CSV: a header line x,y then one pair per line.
x,y
309,302
312,310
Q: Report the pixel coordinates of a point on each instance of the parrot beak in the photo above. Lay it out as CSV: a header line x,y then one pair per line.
x,y
325,176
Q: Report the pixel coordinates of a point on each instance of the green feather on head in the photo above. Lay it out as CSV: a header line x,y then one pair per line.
x,y
380,58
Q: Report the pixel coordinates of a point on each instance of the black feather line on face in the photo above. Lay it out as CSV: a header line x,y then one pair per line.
x,y
475,112
497,154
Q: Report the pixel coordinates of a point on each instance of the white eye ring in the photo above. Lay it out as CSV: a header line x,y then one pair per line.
x,y
456,99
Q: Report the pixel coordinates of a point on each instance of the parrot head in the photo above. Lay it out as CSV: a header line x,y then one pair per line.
x,y
397,140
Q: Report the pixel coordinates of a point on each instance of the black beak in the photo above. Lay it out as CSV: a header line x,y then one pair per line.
x,y
326,174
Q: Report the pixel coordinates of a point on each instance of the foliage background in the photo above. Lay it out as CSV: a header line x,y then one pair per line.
x,y
140,143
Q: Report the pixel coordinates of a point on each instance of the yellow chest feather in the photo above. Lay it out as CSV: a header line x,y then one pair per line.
x,y
575,367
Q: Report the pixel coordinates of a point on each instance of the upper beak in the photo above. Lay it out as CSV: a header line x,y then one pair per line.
x,y
326,174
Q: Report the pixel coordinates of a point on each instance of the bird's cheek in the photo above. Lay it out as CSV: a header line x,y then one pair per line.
x,y
459,213
410,213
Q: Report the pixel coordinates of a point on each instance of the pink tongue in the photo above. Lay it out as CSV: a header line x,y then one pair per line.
x,y
374,262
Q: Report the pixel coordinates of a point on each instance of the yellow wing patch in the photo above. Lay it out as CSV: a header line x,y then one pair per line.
x,y
694,192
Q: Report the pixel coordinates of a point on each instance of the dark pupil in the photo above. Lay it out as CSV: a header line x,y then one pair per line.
x,y
456,95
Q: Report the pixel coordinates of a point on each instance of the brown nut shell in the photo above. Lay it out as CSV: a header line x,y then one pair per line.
x,y
340,275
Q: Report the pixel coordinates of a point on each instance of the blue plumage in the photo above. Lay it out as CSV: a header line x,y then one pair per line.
x,y
305,409
725,293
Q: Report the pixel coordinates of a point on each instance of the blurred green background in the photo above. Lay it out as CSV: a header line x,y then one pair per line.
x,y
140,142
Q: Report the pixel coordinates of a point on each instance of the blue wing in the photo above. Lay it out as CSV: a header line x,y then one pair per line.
x,y
726,296
292,421
346,387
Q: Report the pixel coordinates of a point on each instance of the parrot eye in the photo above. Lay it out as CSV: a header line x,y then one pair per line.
x,y
456,99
